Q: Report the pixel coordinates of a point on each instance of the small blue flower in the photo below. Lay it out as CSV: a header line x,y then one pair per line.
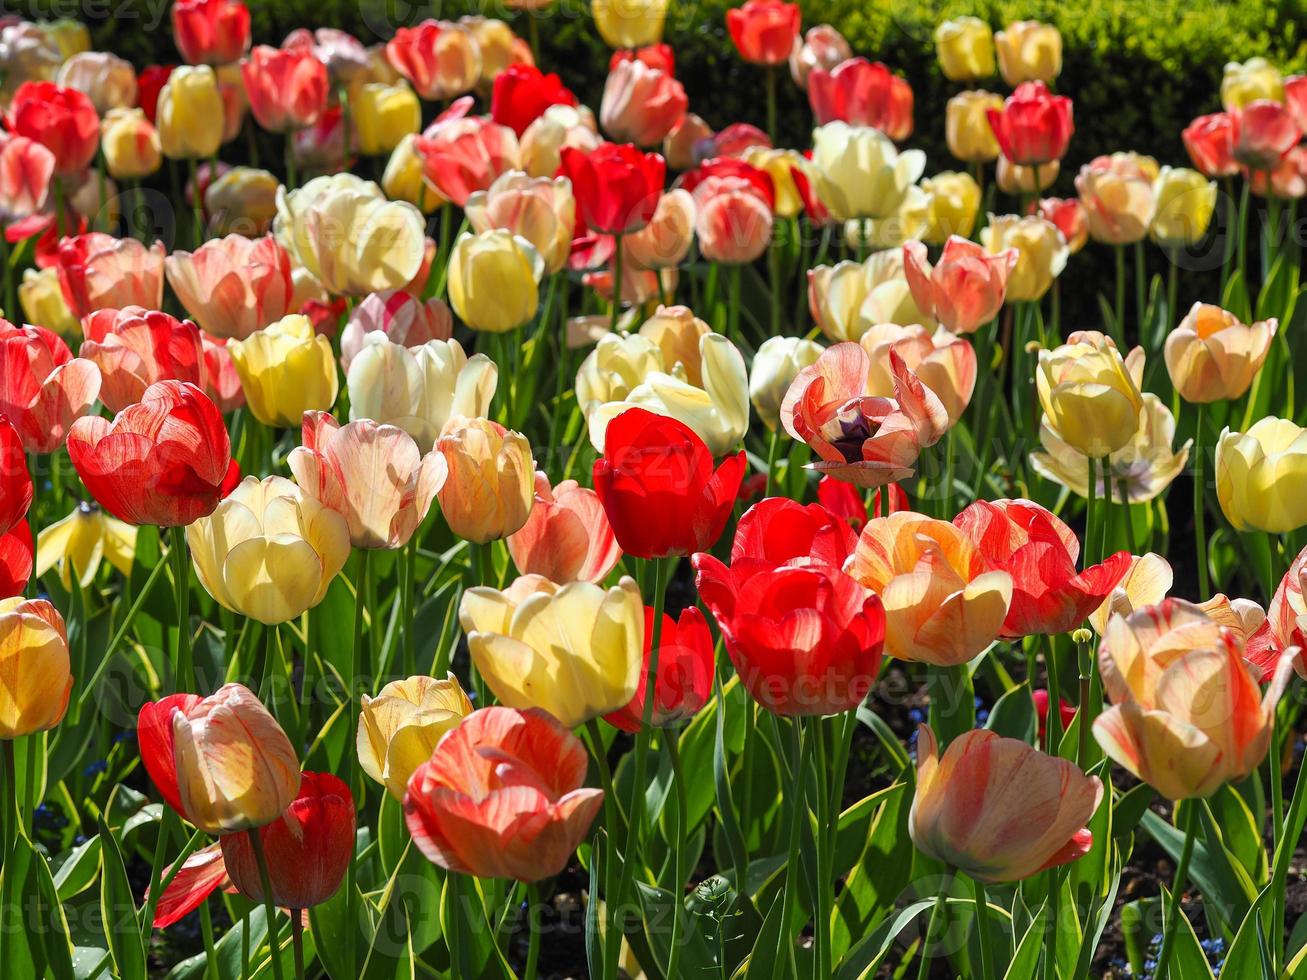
x,y
95,768
916,716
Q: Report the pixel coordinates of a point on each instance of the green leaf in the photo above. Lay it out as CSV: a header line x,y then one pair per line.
x,y
657,906
1025,963
1013,715
44,908
118,911
1244,957
78,870
879,875
1188,961
867,956
1224,884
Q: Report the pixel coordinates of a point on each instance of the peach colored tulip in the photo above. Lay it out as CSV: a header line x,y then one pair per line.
x,y
134,348
236,769
566,537
733,221
819,47
440,59
1146,584
665,241
98,271
942,606
682,145
1211,356
462,156
1118,199
641,104
945,363
107,80
1187,715
965,288
679,334
34,680
998,809
490,489
287,89
1261,133
541,210
370,474
398,316
557,127
43,388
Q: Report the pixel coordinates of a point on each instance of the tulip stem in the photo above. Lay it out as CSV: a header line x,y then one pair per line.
x,y
1242,237
10,840
292,179
1118,334
933,927
771,103
1200,517
532,921
798,786
297,941
816,730
265,880
1054,901
617,282
181,568
1141,289
1181,871
982,929
773,444
671,739
351,758
197,201
206,930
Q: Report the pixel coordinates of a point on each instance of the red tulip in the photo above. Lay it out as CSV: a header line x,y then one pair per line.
x,y
658,56
15,482
149,83
843,500
26,167
287,89
98,271
1070,217
464,154
522,93
965,288
1262,132
164,461
1034,126
733,221
1039,551
15,560
200,875
154,738
730,167
308,848
43,388
1287,180
617,187
502,796
1210,142
1065,711
1295,98
211,32
63,120
657,485
135,347
764,31
685,673
780,531
732,141
862,93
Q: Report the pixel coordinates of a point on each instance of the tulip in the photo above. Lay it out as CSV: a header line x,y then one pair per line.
x,y
35,666
1019,181
1117,200
1295,97
867,440
155,736
440,60
494,279
107,80
539,210
1184,201
617,188
1187,715
733,222
347,61
1253,80
616,367
665,241
1287,180
321,147
820,47
1211,356
860,174
98,271
43,388
242,201
573,650
1141,469
522,93
269,551
660,56
1146,584
1069,217
16,558
1259,476
462,156
349,237
954,205
943,605
222,382
211,32
503,797
780,166
1029,51
557,127
945,363
134,348
1041,253
500,48
685,145
1034,126
190,114
16,488
848,298
79,542
998,809
26,170
420,389
629,23
400,727
658,487
149,83
131,144
63,120
490,488
1210,142
1282,632
233,286
566,537
775,366
641,104
285,371
764,31
42,300
404,178
308,848
965,288
383,116
287,89
862,93
1089,393
686,661
965,48
397,316
966,126
1039,551
1261,133
31,52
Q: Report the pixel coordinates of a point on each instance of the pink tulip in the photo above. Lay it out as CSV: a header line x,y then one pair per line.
x,y
233,286
965,289
641,104
98,271
26,168
134,347
733,221
400,316
222,383
1262,132
464,155
566,537
43,388
287,89
862,93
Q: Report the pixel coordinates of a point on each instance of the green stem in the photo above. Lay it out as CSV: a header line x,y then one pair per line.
x,y
197,201
181,570
206,930
616,311
982,929
733,314
351,758
774,281
292,179
10,841
1242,238
1141,289
816,729
297,941
1200,503
269,904
678,851
1054,901
771,103
1119,333
933,927
773,443
1181,871
532,915
798,817
1053,725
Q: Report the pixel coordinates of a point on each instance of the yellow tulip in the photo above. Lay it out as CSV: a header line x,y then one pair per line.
x,y
399,728
1090,394
966,126
1211,356
269,550
1017,179
494,280
285,371
1029,51
493,39
34,678
539,209
1041,253
860,172
491,485
558,126
344,231
1250,81
384,115
616,367
405,178
574,650
1146,584
1183,203
965,48
242,201
79,542
780,166
1261,476
189,114
954,204
629,23
847,299
130,144
43,302
72,36
678,333
775,366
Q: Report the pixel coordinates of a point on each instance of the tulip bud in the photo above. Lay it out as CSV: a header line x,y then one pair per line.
x,y
629,23
966,126
566,537
862,175
641,104
383,116
1261,476
241,201
775,366
34,658
1183,204
665,241
189,114
405,179
1254,79
131,144
286,370
107,80
494,279
1090,394
954,204
821,47
43,301
491,483
400,727
540,210
965,48
557,127
1029,51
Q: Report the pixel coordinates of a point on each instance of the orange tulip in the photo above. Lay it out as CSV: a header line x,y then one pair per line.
x,y
566,537
233,286
34,679
998,809
490,488
1211,356
941,605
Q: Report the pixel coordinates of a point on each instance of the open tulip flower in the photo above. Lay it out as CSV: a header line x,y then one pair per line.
x,y
134,348
233,286
566,537
400,727
965,289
